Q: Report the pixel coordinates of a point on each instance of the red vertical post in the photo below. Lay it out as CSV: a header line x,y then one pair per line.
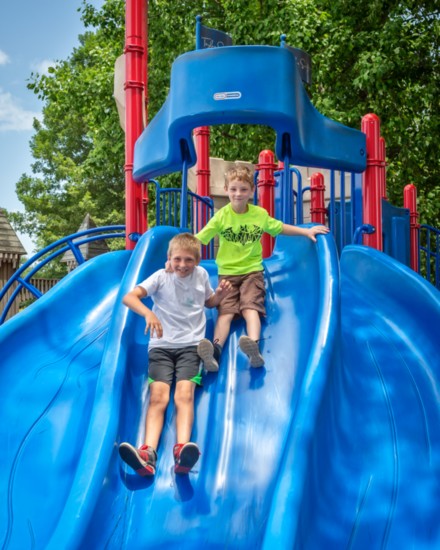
x,y
317,204
135,86
144,66
266,194
203,174
372,196
410,202
203,171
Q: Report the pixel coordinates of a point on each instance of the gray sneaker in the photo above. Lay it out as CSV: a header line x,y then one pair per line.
x,y
205,349
251,349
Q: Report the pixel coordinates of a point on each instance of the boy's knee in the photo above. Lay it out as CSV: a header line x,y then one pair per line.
x,y
184,395
226,317
159,398
249,313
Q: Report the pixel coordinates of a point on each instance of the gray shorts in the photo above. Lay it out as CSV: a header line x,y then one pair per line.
x,y
167,364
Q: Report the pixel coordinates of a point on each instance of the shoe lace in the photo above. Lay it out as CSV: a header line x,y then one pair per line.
x,y
257,341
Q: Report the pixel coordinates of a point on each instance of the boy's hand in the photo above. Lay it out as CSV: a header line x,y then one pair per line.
x,y
316,230
153,324
168,267
223,288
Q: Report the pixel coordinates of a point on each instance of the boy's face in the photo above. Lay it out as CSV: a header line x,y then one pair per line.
x,y
239,193
182,262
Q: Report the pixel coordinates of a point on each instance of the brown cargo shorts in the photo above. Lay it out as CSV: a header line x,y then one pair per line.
x,y
248,292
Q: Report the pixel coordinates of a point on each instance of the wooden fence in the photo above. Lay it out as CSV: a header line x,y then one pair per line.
x,y
43,285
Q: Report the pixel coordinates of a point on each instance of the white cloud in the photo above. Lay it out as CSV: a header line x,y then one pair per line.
x,y
42,67
4,58
13,116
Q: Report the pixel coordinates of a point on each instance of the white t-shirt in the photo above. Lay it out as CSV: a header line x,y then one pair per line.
x,y
179,303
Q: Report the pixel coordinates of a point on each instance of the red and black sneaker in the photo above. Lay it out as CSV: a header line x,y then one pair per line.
x,y
185,456
142,460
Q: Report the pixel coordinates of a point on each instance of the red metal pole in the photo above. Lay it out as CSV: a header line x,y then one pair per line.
x,y
135,86
203,171
203,174
410,202
372,196
266,194
144,188
317,204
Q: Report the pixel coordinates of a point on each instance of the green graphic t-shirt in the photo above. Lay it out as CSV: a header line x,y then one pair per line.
x,y
240,250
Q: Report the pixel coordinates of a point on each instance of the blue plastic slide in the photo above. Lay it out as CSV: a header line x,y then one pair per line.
x,y
372,476
49,362
333,444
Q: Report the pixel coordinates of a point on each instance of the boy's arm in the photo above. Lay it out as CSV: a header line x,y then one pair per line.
x,y
209,231
133,300
310,232
223,288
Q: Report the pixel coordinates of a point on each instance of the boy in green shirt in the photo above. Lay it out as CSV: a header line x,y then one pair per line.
x,y
240,226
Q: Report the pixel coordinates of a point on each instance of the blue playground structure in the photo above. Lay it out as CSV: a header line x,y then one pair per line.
x,y
335,443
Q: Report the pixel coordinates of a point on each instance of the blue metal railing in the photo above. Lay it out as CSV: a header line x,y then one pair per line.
x,y
170,211
429,254
24,274
344,213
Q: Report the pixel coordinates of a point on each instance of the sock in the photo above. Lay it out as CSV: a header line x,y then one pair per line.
x,y
217,352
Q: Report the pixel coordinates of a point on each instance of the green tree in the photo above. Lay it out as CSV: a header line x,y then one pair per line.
x,y
79,146
383,57
368,56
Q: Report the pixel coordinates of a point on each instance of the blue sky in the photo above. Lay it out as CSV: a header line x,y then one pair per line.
x,y
33,35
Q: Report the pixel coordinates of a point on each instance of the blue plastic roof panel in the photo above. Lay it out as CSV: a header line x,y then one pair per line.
x,y
244,85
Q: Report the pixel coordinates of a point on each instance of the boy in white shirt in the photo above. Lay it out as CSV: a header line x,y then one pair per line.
x,y
177,323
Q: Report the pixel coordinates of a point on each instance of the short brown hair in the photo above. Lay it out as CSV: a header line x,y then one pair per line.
x,y
186,241
241,173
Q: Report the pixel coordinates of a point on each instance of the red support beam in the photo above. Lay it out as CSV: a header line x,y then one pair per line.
x,y
203,174
317,203
410,202
372,192
135,86
266,193
203,171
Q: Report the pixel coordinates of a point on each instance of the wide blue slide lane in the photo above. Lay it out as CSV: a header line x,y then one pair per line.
x,y
49,362
242,416
374,472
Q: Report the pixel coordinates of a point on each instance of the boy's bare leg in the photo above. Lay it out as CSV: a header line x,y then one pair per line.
x,y
222,328
253,323
249,344
184,400
159,399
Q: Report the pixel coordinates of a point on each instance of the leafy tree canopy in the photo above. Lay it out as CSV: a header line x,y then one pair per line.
x,y
368,56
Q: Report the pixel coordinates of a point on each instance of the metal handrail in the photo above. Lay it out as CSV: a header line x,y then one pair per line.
x,y
169,211
71,242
